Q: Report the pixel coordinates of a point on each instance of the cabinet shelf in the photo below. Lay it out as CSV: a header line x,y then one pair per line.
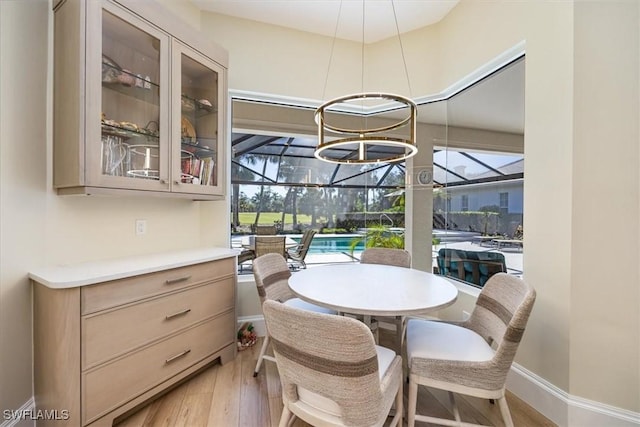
x,y
130,84
197,149
151,136
191,106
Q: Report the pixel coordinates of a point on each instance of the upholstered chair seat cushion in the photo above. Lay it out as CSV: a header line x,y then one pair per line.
x,y
439,340
303,305
385,357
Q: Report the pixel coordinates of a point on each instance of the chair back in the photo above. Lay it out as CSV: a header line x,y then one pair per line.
x,y
305,243
269,244
500,316
271,273
387,256
328,366
266,230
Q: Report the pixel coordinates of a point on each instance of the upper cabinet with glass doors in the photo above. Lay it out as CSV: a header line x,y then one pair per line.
x,y
139,103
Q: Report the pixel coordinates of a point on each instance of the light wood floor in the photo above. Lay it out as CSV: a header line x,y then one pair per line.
x,y
228,395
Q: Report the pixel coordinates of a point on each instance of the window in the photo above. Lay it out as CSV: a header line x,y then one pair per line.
x,y
276,180
464,203
482,224
504,203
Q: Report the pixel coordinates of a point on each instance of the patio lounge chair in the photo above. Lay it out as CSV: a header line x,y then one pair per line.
x,y
299,253
470,266
269,244
265,230
244,256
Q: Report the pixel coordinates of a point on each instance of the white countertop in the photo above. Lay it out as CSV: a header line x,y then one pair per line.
x,y
70,276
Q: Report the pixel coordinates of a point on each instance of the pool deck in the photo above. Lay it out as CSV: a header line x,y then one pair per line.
x,y
513,256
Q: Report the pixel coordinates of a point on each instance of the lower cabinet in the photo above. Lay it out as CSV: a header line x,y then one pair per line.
x,y
102,349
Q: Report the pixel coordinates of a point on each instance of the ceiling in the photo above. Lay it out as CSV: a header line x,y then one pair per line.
x,y
322,16
495,103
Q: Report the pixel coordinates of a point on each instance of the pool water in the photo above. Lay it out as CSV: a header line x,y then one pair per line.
x,y
332,243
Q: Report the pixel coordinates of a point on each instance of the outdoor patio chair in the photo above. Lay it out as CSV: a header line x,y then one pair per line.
x,y
266,230
244,256
269,244
299,253
470,266
331,371
471,357
271,274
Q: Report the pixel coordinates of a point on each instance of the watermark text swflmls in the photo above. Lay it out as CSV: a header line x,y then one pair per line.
x,y
36,414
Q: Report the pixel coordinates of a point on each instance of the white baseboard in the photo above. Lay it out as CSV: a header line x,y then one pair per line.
x,y
552,402
561,407
22,416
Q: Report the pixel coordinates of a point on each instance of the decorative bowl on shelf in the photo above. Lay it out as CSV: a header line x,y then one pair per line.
x,y
110,70
126,78
188,105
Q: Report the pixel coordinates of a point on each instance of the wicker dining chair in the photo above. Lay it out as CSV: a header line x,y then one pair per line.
x,y
331,371
269,244
471,357
387,256
398,258
271,274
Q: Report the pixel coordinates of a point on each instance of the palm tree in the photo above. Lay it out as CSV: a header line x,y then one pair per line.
x,y
291,170
240,173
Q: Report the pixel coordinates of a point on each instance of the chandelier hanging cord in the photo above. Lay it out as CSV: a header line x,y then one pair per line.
x,y
362,54
333,45
404,60
385,147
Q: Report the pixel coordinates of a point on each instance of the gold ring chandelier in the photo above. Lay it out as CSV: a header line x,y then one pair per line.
x,y
348,136
362,138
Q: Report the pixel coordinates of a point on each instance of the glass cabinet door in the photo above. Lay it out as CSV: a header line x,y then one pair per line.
x,y
196,157
133,118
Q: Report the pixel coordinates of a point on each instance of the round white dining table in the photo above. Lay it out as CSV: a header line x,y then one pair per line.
x,y
373,289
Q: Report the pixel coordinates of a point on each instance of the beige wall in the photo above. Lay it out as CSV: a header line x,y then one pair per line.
x,y
23,171
39,228
477,32
605,343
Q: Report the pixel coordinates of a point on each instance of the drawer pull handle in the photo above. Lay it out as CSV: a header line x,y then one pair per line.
x,y
177,356
180,313
178,280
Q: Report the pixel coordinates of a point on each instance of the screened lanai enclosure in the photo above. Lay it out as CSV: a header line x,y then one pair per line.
x,y
277,180
272,174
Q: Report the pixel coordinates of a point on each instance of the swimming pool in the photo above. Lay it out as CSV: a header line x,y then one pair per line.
x,y
332,243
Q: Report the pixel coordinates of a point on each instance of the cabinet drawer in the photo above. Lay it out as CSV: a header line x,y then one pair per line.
x,y
117,292
114,332
111,385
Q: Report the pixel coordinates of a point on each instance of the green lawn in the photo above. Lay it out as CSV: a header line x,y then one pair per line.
x,y
268,218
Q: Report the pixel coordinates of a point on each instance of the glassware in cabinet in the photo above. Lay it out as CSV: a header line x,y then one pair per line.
x,y
131,102
198,121
120,71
